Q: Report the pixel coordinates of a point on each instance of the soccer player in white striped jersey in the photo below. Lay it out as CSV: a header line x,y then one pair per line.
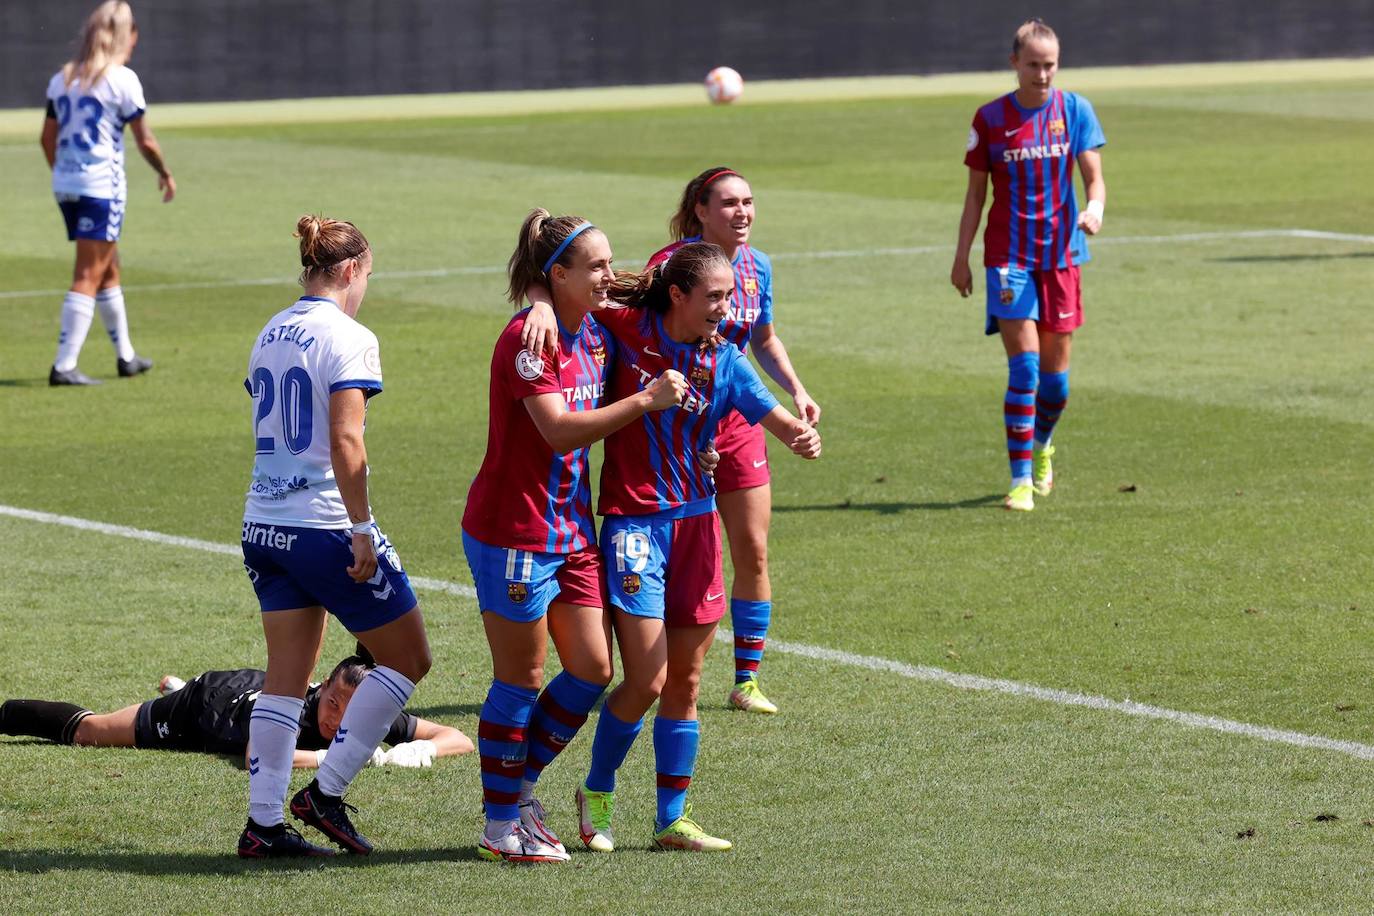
x,y
310,544
90,101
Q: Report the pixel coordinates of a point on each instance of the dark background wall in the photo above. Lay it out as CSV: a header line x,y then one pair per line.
x,y
253,49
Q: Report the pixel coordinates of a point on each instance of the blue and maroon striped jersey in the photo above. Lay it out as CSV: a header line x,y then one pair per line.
x,y
525,496
651,465
1033,223
752,302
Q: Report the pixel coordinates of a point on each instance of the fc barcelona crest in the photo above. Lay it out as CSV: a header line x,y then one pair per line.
x,y
1008,296
517,592
630,584
700,376
751,286
599,354
1057,126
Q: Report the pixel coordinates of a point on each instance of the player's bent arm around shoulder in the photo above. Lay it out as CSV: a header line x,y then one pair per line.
x,y
1090,165
540,332
348,455
151,151
567,430
974,199
772,356
798,435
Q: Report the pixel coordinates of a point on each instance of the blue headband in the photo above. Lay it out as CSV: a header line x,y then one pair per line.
x,y
558,252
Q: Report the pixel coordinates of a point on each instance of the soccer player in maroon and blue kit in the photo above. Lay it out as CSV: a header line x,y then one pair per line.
x,y
717,206
528,532
660,537
1028,141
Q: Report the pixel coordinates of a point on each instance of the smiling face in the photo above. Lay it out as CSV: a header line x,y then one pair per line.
x,y
696,313
585,281
728,213
334,697
1035,65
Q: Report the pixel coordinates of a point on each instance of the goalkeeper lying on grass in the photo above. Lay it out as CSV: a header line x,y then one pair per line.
x,y
210,714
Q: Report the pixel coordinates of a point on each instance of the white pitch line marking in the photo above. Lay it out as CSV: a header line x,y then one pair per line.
x,y
482,270
820,653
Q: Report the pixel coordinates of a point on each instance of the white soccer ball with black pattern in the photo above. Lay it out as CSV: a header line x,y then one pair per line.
x,y
724,85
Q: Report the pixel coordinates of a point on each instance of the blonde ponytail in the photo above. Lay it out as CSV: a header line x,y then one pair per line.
x,y
106,41
540,236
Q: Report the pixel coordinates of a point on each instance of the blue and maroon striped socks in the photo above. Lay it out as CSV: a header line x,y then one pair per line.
x,y
1019,413
749,620
1049,404
675,757
558,714
502,746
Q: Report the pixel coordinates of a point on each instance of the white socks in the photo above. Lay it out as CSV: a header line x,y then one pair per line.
x,y
111,303
376,702
77,311
272,731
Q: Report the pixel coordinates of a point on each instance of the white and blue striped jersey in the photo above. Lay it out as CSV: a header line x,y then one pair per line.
x,y
301,357
90,132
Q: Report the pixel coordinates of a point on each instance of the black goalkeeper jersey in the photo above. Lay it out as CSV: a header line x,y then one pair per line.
x,y
211,714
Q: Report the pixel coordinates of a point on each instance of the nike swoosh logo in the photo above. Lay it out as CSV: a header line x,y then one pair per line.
x,y
512,764
759,464
1066,314
653,352
715,597
1014,131
564,365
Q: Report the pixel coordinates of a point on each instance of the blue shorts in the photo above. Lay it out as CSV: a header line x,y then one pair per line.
x,y
96,218
666,568
305,567
1052,297
521,584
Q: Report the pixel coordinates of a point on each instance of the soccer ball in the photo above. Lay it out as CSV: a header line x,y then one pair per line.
x,y
724,85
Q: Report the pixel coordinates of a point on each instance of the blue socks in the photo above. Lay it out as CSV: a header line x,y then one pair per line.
x,y
1049,404
501,744
1019,413
749,620
609,747
675,757
558,714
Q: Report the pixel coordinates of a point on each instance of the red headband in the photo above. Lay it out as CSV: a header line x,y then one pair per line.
x,y
722,173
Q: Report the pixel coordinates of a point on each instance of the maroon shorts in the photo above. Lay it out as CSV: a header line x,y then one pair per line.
x,y
581,579
743,454
1061,299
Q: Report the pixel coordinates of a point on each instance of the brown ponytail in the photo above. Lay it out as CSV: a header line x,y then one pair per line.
x,y
684,223
687,268
540,236
325,244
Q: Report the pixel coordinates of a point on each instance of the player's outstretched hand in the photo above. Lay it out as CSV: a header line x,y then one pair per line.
x,y
168,186
364,558
540,333
412,754
1089,222
962,278
807,442
807,408
707,459
667,390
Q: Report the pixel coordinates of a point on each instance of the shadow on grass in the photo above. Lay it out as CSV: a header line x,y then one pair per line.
x,y
42,861
1294,258
992,499
36,382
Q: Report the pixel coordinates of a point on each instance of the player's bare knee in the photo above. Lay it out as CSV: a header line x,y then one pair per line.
x,y
87,733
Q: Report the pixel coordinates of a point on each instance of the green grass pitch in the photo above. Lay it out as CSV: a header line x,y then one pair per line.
x,y
1223,373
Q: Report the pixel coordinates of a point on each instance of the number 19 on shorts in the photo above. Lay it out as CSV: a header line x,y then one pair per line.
x,y
631,551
